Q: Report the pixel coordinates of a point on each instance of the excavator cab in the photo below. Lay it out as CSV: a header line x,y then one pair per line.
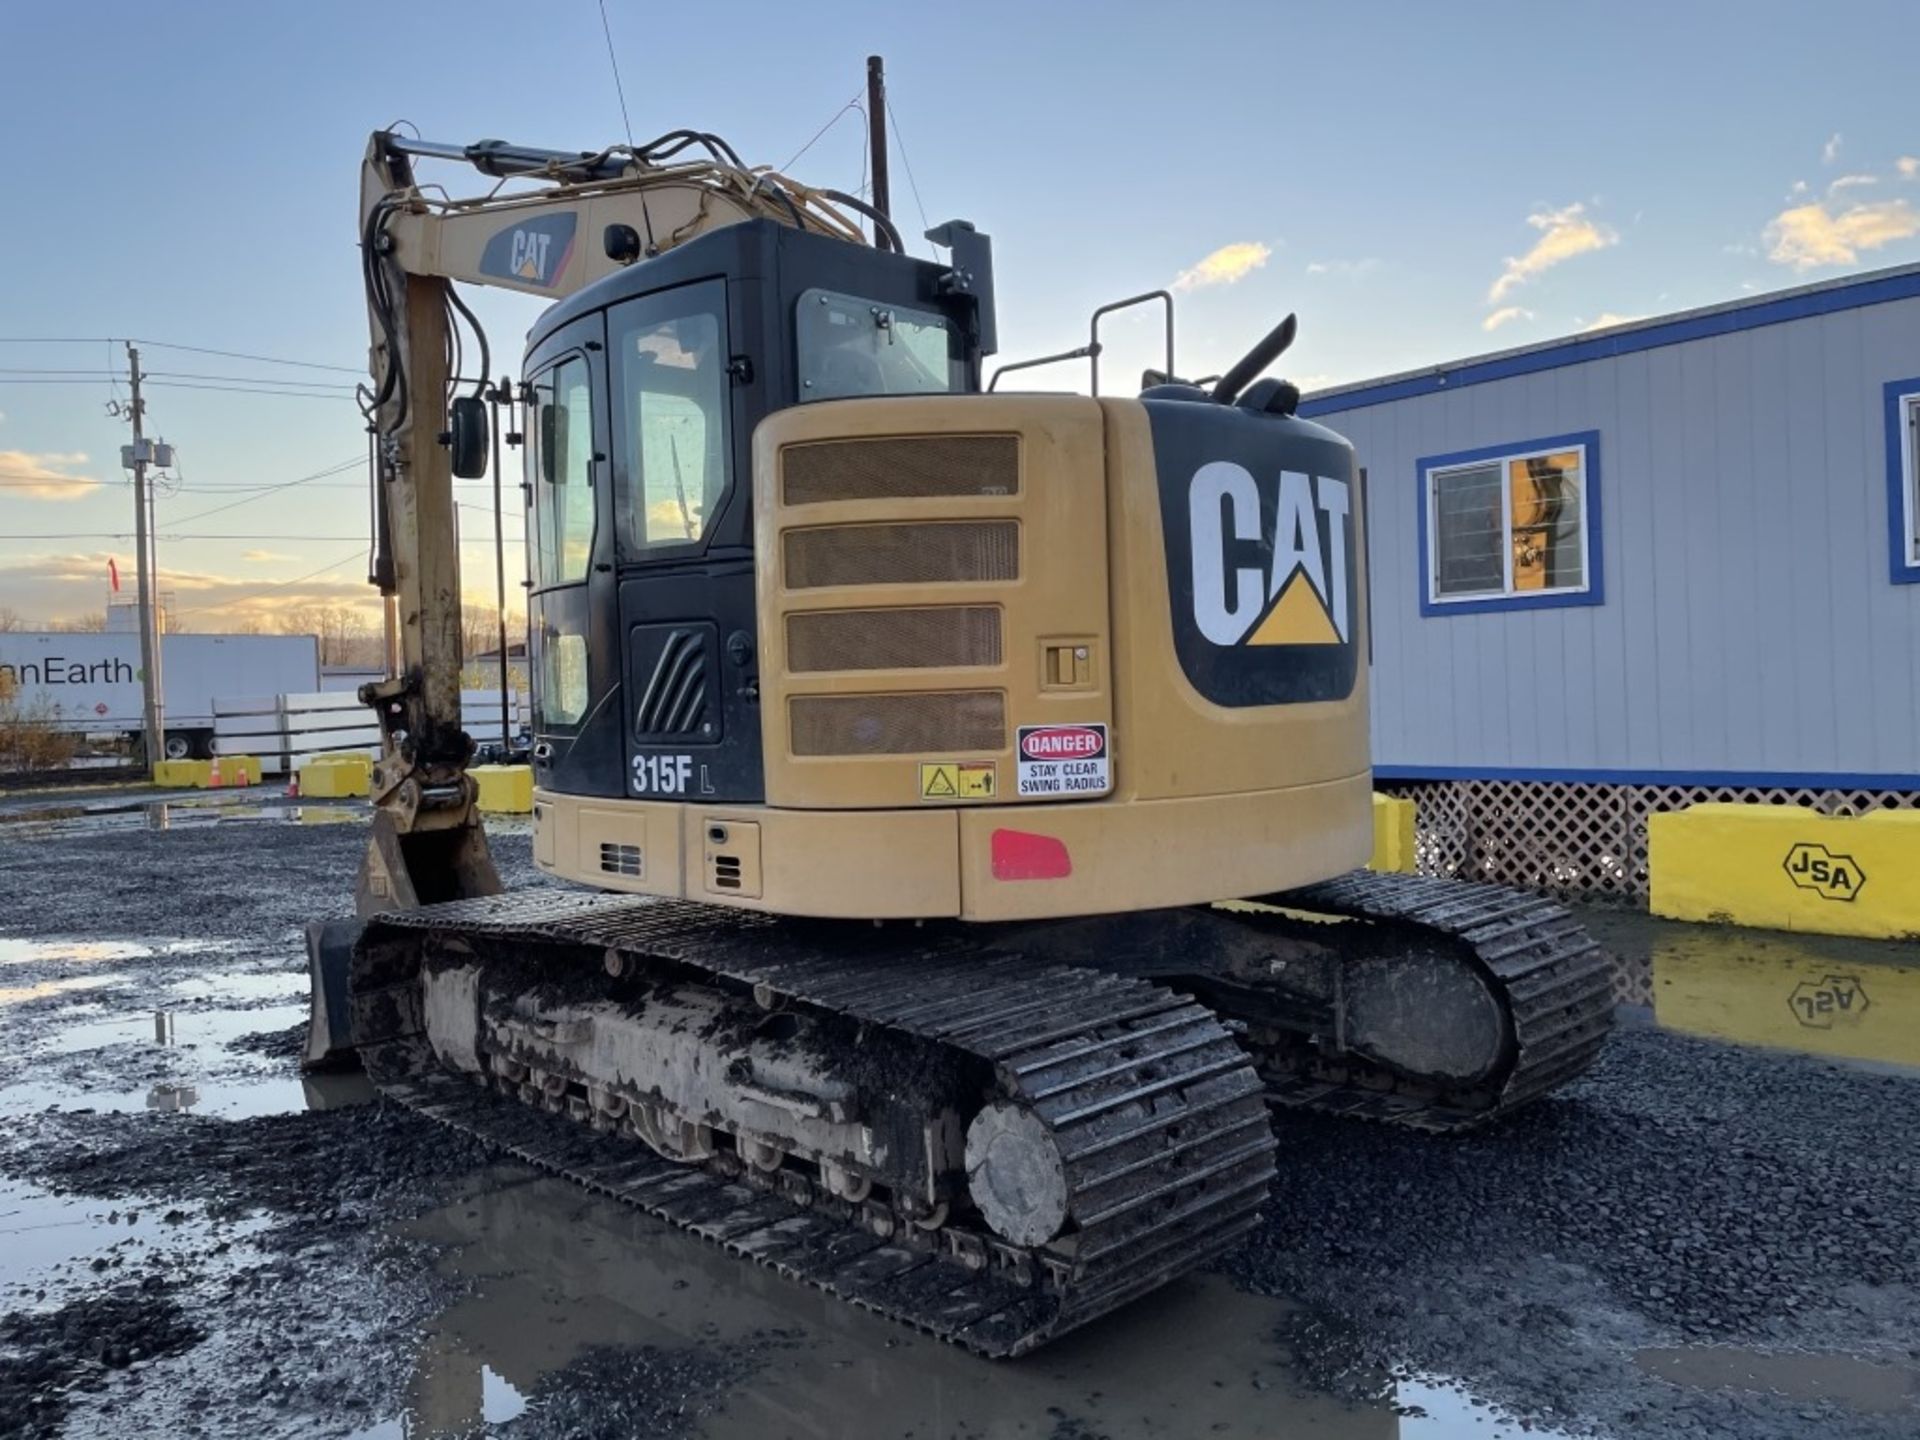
x,y
644,392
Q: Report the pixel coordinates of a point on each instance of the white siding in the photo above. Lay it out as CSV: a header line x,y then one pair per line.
x,y
1750,624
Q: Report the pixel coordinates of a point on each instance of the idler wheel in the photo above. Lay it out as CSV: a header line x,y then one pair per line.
x,y
1016,1175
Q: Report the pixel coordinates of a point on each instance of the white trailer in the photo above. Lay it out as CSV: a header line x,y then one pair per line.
x,y
90,682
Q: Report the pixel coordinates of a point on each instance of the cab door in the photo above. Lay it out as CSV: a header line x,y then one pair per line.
x,y
572,599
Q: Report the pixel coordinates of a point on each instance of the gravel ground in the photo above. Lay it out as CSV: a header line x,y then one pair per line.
x,y
1683,1194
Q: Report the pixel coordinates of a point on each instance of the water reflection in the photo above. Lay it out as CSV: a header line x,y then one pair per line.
x,y
553,1272
1856,1000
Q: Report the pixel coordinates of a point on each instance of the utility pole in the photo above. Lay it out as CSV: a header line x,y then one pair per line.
x,y
877,133
149,646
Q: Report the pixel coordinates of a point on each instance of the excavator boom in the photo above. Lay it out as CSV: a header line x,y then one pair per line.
x,y
574,218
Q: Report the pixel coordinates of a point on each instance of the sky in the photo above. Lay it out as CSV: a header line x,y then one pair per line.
x,y
1419,182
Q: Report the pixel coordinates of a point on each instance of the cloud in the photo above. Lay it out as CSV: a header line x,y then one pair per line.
x,y
1606,320
1830,151
1907,165
1503,315
46,475
1225,266
264,557
63,586
1352,269
1849,182
1808,236
1799,187
1563,235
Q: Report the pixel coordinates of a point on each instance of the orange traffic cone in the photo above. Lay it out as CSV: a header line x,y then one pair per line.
x,y
214,780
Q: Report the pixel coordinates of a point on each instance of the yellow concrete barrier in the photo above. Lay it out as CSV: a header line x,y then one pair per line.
x,y
505,789
335,777
181,774
1784,868
1393,834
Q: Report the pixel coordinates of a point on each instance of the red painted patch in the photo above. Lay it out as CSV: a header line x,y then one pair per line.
x,y
1020,855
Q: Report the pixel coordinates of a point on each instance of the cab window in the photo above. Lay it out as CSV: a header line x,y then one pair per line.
x,y
563,478
670,379
850,346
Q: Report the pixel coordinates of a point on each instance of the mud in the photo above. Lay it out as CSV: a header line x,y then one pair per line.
x,y
1704,1236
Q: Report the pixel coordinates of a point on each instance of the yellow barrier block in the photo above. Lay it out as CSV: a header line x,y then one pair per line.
x,y
181,774
505,789
227,771
1784,868
335,777
1393,831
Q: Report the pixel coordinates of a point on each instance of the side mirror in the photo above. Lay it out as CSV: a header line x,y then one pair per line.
x,y
468,437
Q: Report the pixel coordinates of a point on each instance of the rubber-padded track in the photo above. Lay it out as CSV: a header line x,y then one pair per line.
x,y
1553,979
1158,1114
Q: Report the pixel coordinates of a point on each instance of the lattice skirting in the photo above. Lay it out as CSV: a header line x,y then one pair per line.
x,y
1588,841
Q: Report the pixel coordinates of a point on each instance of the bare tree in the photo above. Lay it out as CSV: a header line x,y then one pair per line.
x,y
92,623
344,634
10,620
480,631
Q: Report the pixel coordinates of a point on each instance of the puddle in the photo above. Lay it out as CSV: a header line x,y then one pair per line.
x,y
1851,1000
553,1272
1862,1385
17,994
265,808
183,1062
15,951
172,1029
75,952
42,1234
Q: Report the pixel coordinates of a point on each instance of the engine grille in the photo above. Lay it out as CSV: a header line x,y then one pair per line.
x,y
933,637
908,468
901,724
912,554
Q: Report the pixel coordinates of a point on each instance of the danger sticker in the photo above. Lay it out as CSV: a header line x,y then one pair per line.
x,y
1063,760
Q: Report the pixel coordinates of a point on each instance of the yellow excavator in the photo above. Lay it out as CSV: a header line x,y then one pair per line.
x,y
900,739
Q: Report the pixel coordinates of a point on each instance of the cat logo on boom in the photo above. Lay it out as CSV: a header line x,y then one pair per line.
x,y
1833,877
534,252
1300,598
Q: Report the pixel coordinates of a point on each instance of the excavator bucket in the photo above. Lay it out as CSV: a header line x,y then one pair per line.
x,y
399,872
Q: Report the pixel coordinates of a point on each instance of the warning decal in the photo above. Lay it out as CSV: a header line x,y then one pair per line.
x,y
957,780
1064,760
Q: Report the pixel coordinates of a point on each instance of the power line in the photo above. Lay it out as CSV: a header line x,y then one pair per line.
x,y
251,380
907,161
853,104
345,393
338,468
260,359
618,88
166,345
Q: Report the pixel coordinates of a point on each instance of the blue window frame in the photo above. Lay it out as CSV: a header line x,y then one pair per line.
x,y
1511,527
1903,479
